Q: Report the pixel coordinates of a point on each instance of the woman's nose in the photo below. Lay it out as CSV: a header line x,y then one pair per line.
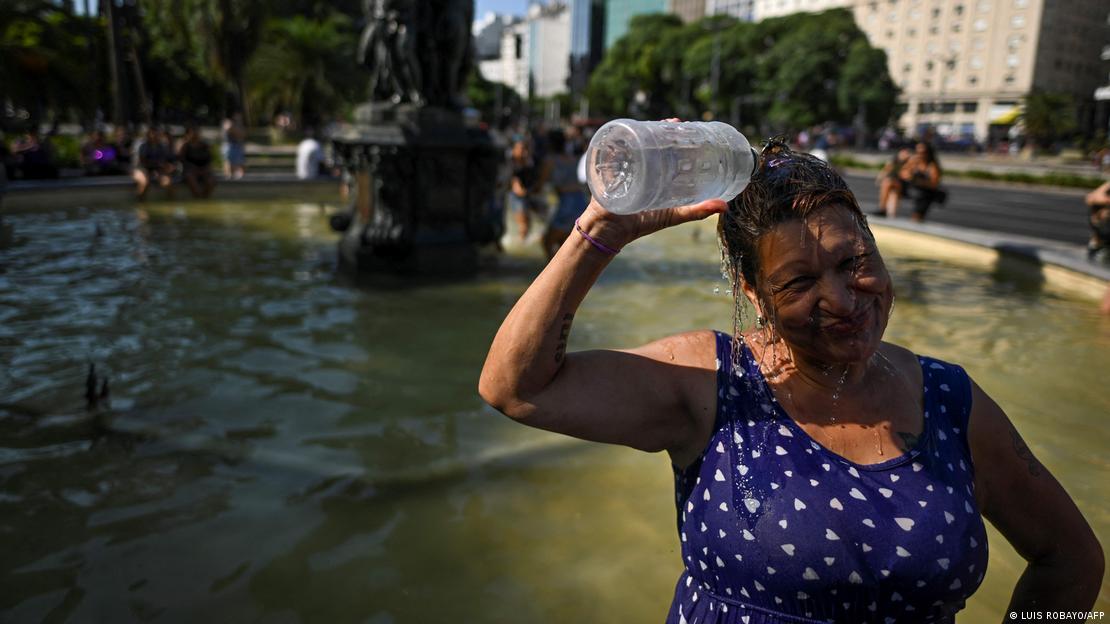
x,y
838,296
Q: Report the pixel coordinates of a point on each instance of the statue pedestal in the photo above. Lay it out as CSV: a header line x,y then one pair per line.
x,y
422,185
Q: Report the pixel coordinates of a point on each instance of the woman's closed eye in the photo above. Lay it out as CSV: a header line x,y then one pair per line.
x,y
854,262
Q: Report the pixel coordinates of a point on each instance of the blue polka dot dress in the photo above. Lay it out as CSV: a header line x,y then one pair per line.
x,y
777,528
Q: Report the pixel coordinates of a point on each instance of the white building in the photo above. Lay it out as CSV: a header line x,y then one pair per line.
x,y
740,9
548,47
488,31
534,53
763,9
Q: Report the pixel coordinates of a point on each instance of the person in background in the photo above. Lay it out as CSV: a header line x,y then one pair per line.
x,y
524,177
561,169
233,147
310,156
34,158
1098,247
196,160
891,186
122,142
922,175
154,163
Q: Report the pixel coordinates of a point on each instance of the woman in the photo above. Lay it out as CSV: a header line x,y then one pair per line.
x,y
525,177
196,160
922,174
1099,219
561,169
891,186
821,473
233,147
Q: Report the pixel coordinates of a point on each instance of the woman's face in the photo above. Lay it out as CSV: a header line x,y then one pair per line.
x,y
827,288
921,150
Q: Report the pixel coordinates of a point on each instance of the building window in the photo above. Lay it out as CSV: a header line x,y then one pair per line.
x,y
933,30
907,68
890,34
1020,4
915,15
959,9
948,107
1017,21
976,62
977,43
1012,60
1009,79
972,80
931,48
928,66
911,32
927,84
980,25
956,27
969,107
936,12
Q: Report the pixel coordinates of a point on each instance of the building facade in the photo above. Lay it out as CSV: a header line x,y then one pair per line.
x,y
740,9
688,10
965,65
587,41
549,48
764,9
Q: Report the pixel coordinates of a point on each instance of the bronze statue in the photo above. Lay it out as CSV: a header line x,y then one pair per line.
x,y
388,48
418,51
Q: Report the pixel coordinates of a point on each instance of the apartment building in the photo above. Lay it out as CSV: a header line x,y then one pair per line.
x,y
964,65
740,9
688,10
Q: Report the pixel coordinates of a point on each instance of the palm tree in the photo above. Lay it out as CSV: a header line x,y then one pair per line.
x,y
304,65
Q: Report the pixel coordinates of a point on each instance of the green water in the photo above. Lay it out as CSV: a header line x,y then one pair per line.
x,y
284,446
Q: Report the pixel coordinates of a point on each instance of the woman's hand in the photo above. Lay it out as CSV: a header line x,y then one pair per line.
x,y
616,231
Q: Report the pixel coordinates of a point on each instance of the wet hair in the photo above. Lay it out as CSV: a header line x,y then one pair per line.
x,y
787,186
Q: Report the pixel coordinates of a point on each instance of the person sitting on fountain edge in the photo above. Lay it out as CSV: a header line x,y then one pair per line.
x,y
821,473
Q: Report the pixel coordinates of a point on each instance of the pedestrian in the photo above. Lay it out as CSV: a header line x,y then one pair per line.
x,y
310,156
233,147
922,174
196,161
891,186
522,187
154,163
821,474
1098,246
561,169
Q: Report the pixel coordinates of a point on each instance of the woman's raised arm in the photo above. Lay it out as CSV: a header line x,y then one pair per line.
x,y
639,398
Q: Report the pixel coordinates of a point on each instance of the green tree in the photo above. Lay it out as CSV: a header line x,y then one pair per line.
x,y
213,38
44,60
487,96
801,70
1048,116
865,85
633,69
304,65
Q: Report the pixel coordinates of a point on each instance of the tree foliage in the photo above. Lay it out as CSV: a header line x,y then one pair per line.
x,y
1048,116
782,73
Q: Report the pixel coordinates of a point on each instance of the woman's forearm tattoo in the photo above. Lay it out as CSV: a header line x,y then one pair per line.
x,y
564,333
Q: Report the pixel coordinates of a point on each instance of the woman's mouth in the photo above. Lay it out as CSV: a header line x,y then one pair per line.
x,y
850,325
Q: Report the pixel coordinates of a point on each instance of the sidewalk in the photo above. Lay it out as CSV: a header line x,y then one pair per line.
x,y
993,163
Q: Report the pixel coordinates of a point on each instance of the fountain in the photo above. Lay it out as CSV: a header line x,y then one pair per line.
x,y
420,178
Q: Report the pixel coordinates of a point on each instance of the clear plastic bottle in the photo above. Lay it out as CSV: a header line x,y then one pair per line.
x,y
647,165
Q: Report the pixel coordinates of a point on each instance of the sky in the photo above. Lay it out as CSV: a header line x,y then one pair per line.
x,y
512,7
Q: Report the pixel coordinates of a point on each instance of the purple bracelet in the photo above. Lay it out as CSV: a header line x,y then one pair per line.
x,y
598,245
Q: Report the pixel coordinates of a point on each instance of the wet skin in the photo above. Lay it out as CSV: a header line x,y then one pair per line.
x,y
825,288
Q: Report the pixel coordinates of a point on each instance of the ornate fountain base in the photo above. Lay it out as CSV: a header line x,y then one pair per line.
x,y
422,186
